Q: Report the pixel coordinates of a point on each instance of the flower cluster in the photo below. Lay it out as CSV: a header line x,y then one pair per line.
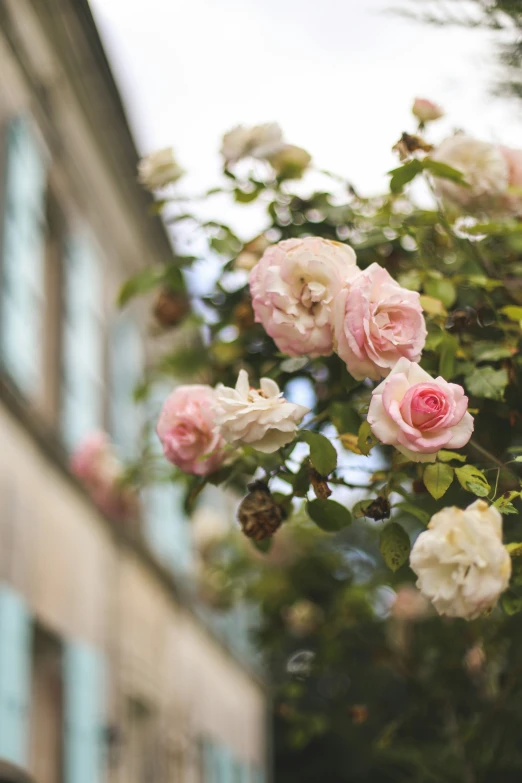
x,y
197,421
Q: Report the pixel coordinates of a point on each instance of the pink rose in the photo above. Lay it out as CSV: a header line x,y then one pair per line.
x,y
101,472
418,414
293,288
426,111
187,430
376,322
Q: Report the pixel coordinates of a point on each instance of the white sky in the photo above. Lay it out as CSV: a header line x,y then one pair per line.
x,y
338,75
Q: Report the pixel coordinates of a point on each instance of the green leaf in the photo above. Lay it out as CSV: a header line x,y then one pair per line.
x,y
366,439
414,511
442,289
329,515
437,479
323,455
511,603
394,545
439,169
140,283
485,351
504,504
448,350
404,174
263,546
246,196
473,480
512,312
518,459
447,456
487,382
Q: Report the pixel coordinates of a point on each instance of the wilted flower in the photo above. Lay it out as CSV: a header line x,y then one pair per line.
x,y
460,561
418,414
259,141
377,322
425,110
293,289
159,169
187,431
260,418
258,514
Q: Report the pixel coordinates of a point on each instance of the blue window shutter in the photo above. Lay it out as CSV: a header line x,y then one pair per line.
x,y
15,676
82,371
84,713
166,525
23,255
126,368
209,760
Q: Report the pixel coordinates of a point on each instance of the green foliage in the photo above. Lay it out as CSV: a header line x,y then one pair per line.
x,y
323,455
473,480
329,515
437,478
487,382
394,545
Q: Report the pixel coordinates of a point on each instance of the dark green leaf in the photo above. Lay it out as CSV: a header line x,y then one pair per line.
x,y
140,283
484,351
264,545
487,382
394,545
511,603
415,511
448,350
439,169
323,455
329,515
404,174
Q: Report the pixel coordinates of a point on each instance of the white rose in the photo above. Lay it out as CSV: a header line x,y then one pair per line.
x,y
159,169
483,165
259,141
260,418
460,561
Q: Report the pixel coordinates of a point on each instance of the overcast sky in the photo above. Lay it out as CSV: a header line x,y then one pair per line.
x,y
338,75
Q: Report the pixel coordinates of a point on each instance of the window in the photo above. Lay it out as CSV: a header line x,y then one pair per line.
x,y
46,709
23,255
126,367
146,760
15,676
82,344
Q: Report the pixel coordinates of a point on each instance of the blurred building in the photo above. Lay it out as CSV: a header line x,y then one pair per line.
x,y
109,671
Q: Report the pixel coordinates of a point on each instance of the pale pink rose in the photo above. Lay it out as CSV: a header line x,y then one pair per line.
x,y
376,322
418,414
425,110
187,431
293,289
484,168
96,465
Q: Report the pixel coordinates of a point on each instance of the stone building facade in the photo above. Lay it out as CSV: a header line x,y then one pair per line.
x,y
109,671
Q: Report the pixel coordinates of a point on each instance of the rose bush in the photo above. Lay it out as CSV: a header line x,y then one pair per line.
x,y
399,327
